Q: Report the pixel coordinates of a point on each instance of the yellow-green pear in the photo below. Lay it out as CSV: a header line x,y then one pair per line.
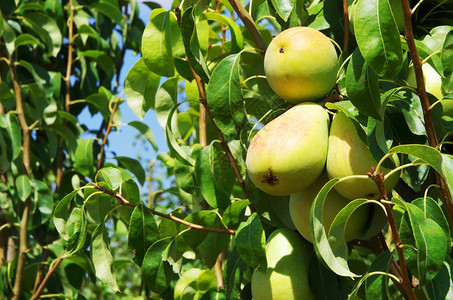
x,y
349,155
301,64
289,153
286,276
300,205
433,81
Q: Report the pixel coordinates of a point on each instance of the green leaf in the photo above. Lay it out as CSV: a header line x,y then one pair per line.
x,y
283,8
143,232
362,86
23,186
433,211
140,87
191,45
234,213
376,285
166,99
324,284
441,287
15,135
157,272
236,34
77,229
215,176
26,39
145,131
97,204
62,213
337,261
47,29
251,242
442,163
157,43
212,246
447,64
224,96
233,274
430,244
378,37
130,191
175,148
43,198
102,257
84,157
110,10
133,166
112,176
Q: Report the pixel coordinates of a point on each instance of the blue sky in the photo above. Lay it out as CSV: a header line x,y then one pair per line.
x,y
121,142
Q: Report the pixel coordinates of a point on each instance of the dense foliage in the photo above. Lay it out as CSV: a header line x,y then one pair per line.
x,y
74,226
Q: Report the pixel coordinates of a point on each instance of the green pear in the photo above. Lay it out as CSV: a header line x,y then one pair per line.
x,y
433,81
300,205
286,276
289,153
349,155
301,64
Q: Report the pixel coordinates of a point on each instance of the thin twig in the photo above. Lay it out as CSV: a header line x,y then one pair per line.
x,y
107,132
26,161
38,292
166,216
67,89
249,24
346,26
406,283
421,90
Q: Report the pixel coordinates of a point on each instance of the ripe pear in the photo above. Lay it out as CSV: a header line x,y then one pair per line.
x,y
289,153
286,276
300,205
433,81
349,155
301,64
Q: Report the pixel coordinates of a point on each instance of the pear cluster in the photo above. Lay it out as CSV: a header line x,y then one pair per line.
x,y
298,152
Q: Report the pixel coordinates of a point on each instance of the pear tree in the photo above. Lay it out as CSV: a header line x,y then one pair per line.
x,y
308,149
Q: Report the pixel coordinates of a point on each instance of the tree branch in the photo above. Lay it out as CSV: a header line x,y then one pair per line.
x,y
107,132
166,216
39,290
346,26
26,161
421,90
223,142
249,24
406,283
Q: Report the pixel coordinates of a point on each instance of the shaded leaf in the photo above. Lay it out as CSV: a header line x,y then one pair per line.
x,y
224,96
378,37
143,232
102,257
140,87
23,186
133,166
156,271
362,86
251,242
